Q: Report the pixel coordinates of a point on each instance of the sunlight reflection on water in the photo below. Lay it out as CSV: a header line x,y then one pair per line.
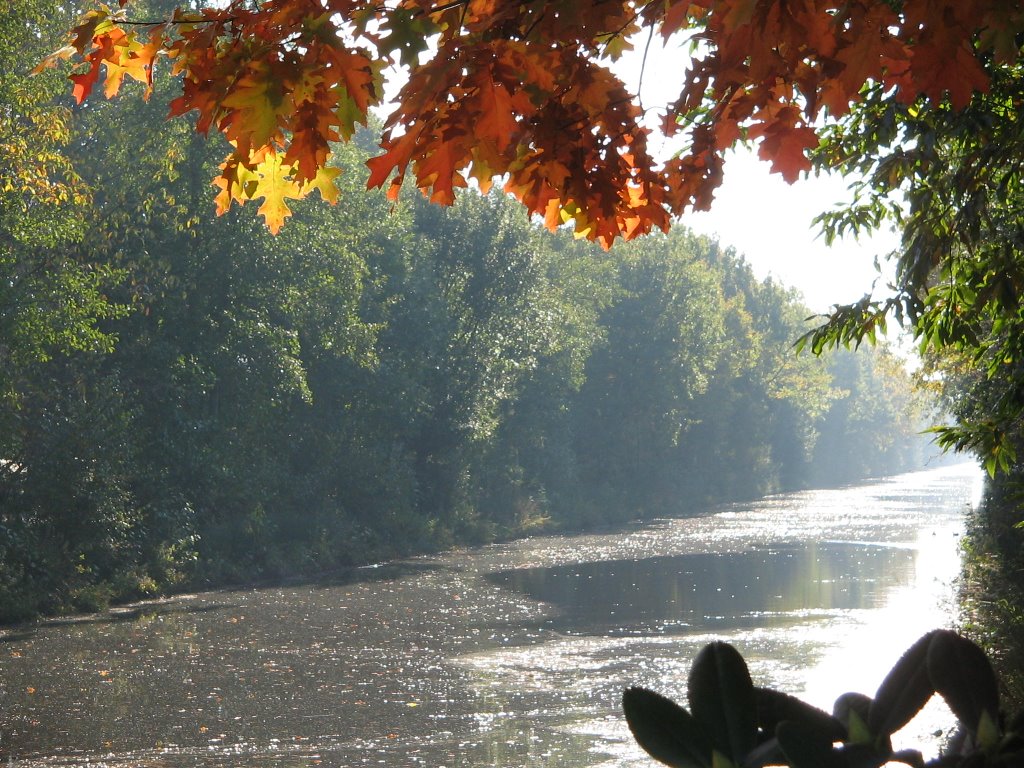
x,y
843,624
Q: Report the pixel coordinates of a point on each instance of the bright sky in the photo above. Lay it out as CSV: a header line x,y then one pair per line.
x,y
769,221
758,213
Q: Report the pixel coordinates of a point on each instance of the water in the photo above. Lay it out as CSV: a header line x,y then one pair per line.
x,y
510,655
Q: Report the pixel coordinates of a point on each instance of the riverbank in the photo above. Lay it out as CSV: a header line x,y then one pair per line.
x,y
993,583
94,598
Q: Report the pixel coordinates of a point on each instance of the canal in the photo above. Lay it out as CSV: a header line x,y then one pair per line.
x,y
508,655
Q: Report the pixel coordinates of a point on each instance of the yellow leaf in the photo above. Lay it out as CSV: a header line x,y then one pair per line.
x,y
275,186
324,184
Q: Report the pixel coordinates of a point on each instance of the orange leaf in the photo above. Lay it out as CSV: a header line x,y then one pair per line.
x,y
497,122
439,171
396,157
786,148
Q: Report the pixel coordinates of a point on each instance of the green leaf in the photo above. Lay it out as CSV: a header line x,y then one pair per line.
x,y
666,731
852,710
988,734
349,115
410,34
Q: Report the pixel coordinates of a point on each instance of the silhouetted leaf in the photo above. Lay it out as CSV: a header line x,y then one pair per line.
x,y
852,711
721,697
774,707
807,748
904,691
962,675
665,730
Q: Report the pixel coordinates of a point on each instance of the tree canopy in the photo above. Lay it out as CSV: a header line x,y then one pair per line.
x,y
524,90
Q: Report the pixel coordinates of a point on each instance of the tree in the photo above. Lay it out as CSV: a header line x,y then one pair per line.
x,y
875,426
49,302
523,90
665,334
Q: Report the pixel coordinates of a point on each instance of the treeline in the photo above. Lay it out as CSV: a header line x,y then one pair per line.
x,y
187,400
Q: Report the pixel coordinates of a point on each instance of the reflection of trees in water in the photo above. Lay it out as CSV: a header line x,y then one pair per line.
x,y
720,589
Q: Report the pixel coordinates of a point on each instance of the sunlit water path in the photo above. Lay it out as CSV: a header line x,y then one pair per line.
x,y
510,655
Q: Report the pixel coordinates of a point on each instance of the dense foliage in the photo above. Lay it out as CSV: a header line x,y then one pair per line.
x,y
188,400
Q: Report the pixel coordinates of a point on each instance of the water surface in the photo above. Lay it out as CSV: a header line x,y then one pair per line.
x,y
510,655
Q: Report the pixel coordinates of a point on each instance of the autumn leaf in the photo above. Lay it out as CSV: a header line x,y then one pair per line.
x,y
677,17
129,58
236,181
439,172
55,58
497,123
84,82
258,106
1000,32
862,57
516,90
786,149
93,24
275,186
739,13
396,156
324,183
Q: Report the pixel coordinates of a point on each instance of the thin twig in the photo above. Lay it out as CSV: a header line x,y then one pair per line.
x,y
643,68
